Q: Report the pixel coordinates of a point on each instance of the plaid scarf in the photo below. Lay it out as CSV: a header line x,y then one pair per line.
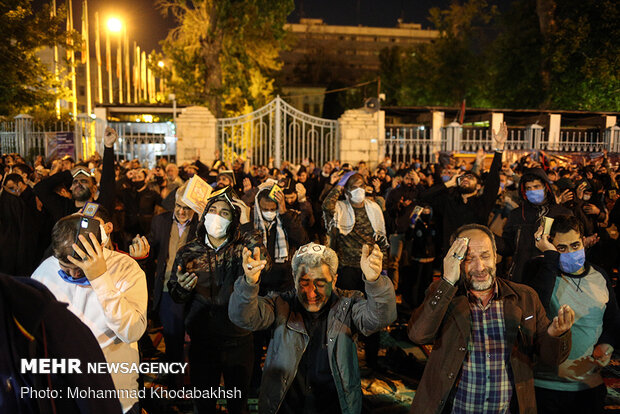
x,y
281,248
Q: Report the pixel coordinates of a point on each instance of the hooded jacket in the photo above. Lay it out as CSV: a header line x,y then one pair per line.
x,y
217,269
517,239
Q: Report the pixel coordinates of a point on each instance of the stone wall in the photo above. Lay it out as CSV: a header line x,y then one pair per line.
x,y
196,135
360,133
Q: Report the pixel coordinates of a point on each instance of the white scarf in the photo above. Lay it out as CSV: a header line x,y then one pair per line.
x,y
344,217
281,248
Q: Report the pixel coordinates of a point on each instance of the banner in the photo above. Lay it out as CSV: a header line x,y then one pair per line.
x,y
59,144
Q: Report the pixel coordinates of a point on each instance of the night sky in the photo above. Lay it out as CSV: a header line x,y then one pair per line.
x,y
147,26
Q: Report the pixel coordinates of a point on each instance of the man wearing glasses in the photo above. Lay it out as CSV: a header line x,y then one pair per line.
x,y
170,231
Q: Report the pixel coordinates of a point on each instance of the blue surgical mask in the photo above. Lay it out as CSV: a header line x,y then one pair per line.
x,y
445,178
82,281
572,261
535,196
416,165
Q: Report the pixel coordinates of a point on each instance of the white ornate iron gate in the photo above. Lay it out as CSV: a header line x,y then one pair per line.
x,y
278,131
147,142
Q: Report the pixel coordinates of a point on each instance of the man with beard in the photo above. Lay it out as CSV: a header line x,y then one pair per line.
x,y
311,365
537,201
141,204
457,200
82,185
485,333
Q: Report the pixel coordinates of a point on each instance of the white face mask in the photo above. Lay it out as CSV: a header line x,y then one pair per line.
x,y
269,215
586,197
104,236
358,195
216,225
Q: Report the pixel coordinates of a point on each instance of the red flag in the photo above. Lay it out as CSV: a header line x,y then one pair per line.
x,y
462,112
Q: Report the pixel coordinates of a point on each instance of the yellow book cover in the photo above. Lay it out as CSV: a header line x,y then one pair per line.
x,y
196,194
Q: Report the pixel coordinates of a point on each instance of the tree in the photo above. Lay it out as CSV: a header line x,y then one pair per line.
x,y
26,83
544,54
224,52
449,69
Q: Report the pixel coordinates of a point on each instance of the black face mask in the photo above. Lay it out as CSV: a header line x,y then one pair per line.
x,y
138,184
425,217
159,180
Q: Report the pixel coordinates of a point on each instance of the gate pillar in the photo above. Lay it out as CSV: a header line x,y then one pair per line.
x,y
196,135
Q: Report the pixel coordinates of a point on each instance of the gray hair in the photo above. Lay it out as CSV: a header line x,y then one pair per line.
x,y
311,256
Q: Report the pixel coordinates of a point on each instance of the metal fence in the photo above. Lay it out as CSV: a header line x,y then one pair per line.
x,y
147,142
408,142
572,140
278,131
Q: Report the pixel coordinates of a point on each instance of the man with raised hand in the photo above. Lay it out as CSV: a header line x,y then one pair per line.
x,y
311,363
83,185
485,333
563,275
106,290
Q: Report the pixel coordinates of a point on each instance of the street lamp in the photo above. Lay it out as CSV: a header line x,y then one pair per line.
x,y
160,63
114,25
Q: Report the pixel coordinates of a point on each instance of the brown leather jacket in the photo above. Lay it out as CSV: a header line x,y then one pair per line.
x,y
444,320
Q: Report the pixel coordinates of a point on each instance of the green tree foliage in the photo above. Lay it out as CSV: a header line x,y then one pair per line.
x,y
546,54
449,69
224,53
26,83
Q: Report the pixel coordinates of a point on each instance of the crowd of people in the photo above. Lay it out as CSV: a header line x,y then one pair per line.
x,y
506,268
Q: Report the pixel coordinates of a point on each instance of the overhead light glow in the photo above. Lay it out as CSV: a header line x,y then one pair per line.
x,y
114,24
160,63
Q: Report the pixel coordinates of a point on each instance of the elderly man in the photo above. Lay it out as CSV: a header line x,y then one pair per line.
x,y
311,363
485,332
169,232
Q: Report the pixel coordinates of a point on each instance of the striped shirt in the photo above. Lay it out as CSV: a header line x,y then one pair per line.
x,y
485,386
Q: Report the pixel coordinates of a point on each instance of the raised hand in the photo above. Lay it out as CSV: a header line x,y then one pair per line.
x,y
244,217
139,247
590,241
109,137
581,189
500,136
301,192
542,241
252,265
562,322
93,263
247,185
376,183
186,280
565,197
371,262
453,259
280,200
